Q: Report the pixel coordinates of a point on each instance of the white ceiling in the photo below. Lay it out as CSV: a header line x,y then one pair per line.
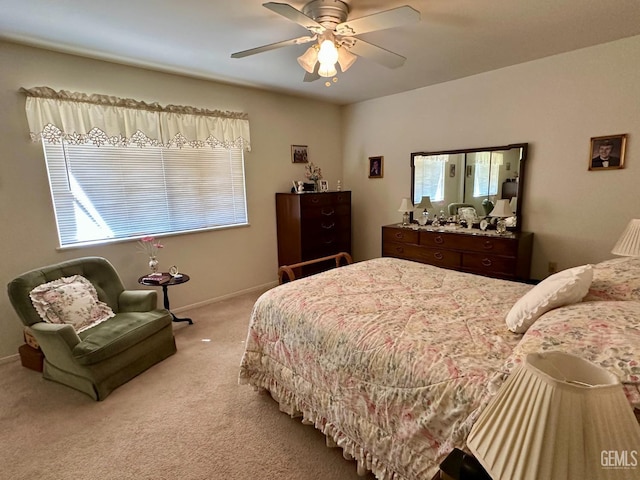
x,y
454,39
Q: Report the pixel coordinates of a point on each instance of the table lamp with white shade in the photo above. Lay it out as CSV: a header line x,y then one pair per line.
x,y
424,205
405,207
628,244
559,417
501,210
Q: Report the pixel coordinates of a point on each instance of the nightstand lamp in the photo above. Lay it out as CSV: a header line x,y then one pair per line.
x,y
559,417
629,242
501,210
405,207
424,205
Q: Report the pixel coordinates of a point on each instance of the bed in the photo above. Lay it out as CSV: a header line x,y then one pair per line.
x,y
394,360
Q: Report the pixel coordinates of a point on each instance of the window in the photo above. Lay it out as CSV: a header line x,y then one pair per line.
x,y
429,177
103,193
120,168
487,171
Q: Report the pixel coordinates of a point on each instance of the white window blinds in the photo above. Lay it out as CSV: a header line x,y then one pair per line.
x,y
108,186
109,193
429,177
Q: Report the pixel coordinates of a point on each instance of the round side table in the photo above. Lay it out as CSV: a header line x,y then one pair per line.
x,y
174,280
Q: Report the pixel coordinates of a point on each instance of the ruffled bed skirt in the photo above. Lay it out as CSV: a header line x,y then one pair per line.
x,y
292,405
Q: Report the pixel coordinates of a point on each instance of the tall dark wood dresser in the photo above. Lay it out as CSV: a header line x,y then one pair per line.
x,y
312,225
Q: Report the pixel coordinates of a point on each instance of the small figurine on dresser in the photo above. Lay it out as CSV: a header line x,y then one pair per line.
x,y
300,186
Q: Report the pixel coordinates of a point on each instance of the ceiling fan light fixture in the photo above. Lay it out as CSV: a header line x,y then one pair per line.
x,y
328,53
345,58
327,70
308,59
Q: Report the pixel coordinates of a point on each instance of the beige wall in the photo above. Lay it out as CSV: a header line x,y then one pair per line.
x,y
219,262
556,105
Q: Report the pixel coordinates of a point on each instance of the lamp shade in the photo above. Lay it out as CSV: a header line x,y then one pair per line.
x,y
345,58
424,204
405,205
558,417
501,209
308,59
629,243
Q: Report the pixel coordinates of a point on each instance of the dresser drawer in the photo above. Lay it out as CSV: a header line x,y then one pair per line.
x,y
325,211
439,240
432,256
321,199
400,235
493,245
489,264
313,227
326,246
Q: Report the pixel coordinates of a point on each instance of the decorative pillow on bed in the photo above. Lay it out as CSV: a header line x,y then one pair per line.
x,y
71,300
616,279
563,288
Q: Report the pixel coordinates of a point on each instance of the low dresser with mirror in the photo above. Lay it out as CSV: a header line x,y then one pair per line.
x,y
473,179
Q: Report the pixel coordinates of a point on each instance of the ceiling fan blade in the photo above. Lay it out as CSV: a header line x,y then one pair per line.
x,y
295,16
377,54
395,17
273,46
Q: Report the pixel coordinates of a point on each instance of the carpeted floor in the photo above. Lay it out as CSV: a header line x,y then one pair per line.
x,y
185,418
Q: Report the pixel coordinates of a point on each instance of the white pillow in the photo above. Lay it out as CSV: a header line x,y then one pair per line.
x,y
71,300
563,288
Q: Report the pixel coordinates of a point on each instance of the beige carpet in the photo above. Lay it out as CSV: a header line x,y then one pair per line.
x,y
185,418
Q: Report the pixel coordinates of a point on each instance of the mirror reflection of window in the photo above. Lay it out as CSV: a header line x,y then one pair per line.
x,y
429,177
487,172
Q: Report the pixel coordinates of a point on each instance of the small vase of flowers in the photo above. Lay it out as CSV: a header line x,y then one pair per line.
x,y
313,173
150,246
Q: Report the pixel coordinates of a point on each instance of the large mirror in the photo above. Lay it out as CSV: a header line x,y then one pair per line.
x,y
476,177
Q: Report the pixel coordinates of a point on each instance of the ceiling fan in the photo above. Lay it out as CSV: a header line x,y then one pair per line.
x,y
336,37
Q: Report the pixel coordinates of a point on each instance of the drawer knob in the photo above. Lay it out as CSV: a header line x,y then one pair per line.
x,y
399,250
399,235
487,245
438,255
328,227
438,239
315,200
486,262
327,213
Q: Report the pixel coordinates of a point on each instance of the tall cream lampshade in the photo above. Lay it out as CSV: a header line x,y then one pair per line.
x,y
558,417
424,205
629,243
502,209
405,207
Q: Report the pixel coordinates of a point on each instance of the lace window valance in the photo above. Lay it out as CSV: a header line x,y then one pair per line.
x,y
80,118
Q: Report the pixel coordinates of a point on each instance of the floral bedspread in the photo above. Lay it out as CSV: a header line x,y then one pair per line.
x,y
605,333
391,359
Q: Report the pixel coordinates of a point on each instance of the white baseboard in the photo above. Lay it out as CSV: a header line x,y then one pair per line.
x,y
9,359
265,286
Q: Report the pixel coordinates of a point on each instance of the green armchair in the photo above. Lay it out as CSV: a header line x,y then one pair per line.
x,y
101,358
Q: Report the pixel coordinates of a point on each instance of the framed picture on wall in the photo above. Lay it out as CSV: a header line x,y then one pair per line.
x,y
299,154
375,167
607,153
